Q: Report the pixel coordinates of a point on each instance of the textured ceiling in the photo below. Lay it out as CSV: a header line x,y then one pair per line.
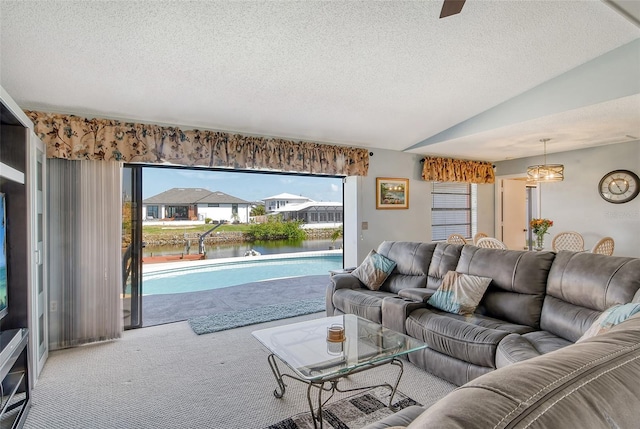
x,y
373,74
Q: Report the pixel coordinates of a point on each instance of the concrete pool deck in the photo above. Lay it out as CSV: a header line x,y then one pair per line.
x,y
169,308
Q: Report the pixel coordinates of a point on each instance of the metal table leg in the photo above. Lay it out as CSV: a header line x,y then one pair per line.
x,y
316,413
276,373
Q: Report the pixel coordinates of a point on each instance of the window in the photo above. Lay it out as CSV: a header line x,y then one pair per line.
x,y
177,212
453,210
152,212
213,205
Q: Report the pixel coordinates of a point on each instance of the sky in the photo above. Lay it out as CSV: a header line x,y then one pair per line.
x,y
246,186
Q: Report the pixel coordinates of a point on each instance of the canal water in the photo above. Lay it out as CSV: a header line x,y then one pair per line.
x,y
239,249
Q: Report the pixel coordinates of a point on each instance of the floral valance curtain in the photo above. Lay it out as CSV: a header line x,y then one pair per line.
x,y
457,170
76,138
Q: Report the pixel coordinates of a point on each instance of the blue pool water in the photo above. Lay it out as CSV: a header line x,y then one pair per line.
x,y
216,276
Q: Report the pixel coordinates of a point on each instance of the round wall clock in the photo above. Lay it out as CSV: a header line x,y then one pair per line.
x,y
619,186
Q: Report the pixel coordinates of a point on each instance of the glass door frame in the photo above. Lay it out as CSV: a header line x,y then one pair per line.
x,y
132,255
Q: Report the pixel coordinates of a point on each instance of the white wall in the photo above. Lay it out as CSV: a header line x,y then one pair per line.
x,y
224,212
575,205
412,224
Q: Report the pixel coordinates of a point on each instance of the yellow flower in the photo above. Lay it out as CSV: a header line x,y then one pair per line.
x,y
540,226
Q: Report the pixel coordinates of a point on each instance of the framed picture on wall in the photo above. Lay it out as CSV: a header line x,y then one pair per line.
x,y
392,193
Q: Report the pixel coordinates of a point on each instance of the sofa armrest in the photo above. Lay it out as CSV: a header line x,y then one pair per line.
x,y
341,271
339,281
345,281
417,294
396,309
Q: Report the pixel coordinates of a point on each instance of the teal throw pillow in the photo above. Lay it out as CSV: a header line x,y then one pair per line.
x,y
374,270
459,293
610,318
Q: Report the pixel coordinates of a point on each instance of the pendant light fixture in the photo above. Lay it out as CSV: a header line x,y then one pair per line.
x,y
545,172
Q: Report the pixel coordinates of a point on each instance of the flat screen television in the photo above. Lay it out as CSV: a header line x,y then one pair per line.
x,y
4,297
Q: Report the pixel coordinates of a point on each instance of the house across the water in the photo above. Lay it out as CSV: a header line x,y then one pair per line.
x,y
196,204
298,207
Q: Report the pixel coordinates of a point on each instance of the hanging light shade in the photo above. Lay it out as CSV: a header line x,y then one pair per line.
x,y
545,172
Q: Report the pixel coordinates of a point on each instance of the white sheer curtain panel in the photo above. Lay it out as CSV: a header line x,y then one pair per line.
x,y
85,228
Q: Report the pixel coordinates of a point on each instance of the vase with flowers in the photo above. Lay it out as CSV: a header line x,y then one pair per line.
x,y
539,228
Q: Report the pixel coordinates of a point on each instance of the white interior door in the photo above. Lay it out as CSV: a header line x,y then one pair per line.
x,y
39,311
514,213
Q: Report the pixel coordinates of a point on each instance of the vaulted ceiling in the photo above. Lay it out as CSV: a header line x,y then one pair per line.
x,y
485,84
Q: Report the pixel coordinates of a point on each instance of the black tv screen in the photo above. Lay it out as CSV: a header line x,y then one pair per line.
x,y
3,258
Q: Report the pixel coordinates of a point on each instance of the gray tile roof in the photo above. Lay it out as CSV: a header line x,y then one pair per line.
x,y
221,197
193,196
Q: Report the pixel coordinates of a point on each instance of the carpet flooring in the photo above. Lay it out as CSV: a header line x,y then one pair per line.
x,y
223,321
353,412
167,377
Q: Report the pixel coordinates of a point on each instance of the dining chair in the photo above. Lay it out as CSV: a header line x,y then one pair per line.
x,y
490,243
478,236
568,240
604,246
456,239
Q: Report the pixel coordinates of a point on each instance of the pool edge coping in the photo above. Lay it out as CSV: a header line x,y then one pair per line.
x,y
152,268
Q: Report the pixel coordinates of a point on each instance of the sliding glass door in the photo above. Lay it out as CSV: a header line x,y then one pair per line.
x,y
132,246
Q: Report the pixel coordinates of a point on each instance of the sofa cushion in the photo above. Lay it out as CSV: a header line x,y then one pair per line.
x,y
374,270
519,281
610,318
445,259
361,302
412,262
582,285
515,347
590,385
454,370
566,320
459,293
417,294
398,282
455,335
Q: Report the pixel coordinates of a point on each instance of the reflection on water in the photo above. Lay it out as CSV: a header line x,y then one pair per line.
x,y
239,249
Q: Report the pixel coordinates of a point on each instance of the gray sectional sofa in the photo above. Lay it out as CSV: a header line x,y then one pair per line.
x,y
593,384
536,303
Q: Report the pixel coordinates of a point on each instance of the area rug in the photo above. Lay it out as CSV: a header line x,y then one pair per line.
x,y
353,412
223,321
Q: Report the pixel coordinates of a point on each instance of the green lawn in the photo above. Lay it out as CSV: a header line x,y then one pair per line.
x,y
159,229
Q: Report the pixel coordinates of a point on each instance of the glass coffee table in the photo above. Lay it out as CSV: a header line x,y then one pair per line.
x,y
305,348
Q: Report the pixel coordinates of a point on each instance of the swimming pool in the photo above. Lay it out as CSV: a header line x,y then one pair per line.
x,y
233,273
